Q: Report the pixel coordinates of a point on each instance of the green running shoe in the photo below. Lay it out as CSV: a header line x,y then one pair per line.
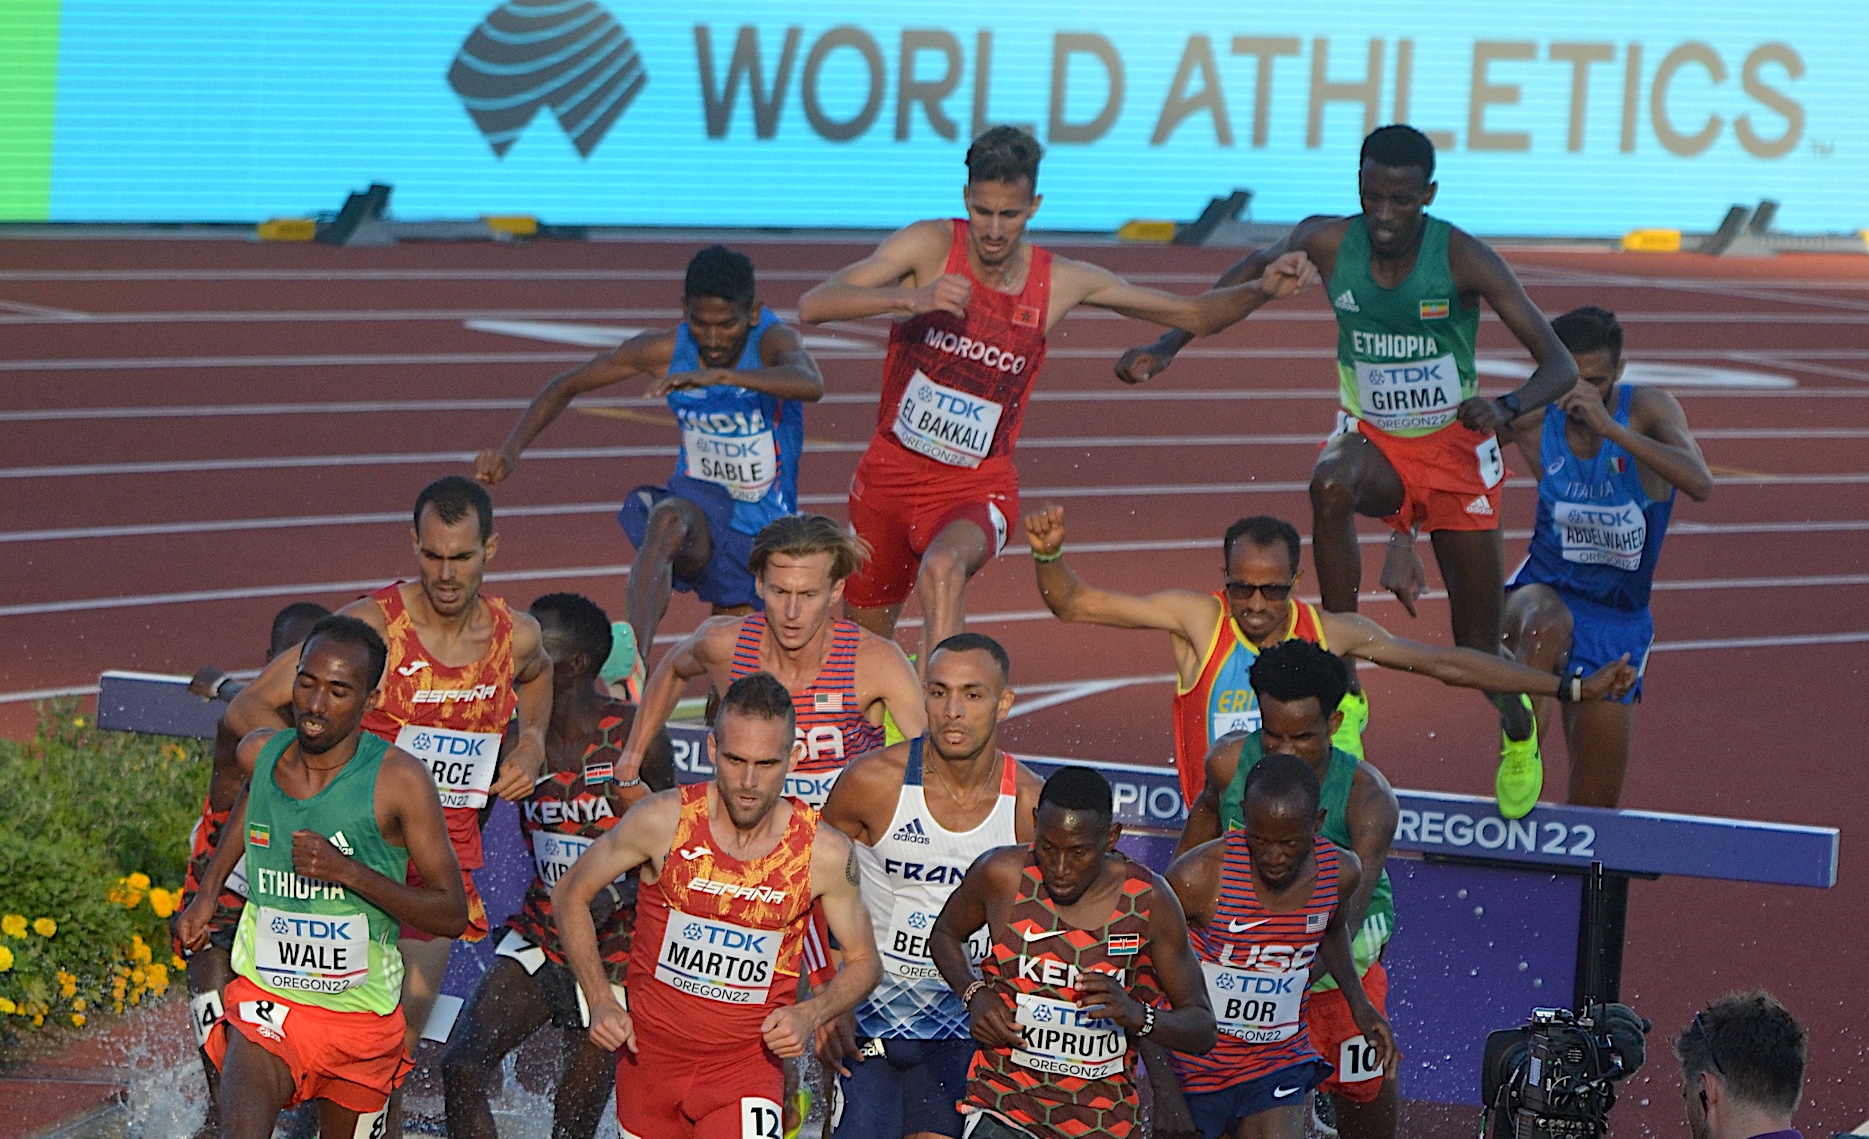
x,y
1521,772
1349,734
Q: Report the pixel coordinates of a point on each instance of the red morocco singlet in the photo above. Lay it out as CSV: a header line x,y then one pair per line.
x,y
831,723
955,388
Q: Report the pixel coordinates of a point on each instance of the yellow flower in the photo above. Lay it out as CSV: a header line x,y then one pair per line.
x,y
6,958
13,925
68,990
161,901
176,962
44,927
139,881
78,1005
77,1019
38,1019
7,1007
77,722
140,953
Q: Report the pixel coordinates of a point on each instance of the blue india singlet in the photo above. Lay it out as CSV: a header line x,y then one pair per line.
x,y
1598,533
737,445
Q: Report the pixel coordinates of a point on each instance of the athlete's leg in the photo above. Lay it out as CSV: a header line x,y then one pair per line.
x,y
1277,1123
208,971
955,555
255,1085
585,1081
425,962
1376,1119
1472,566
1598,736
676,543
1351,477
337,1122
505,1009
1537,632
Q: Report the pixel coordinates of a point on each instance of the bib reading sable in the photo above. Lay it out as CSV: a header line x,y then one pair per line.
x,y
745,465
1411,396
1259,1008
948,426
461,762
716,960
312,953
1060,1038
1601,534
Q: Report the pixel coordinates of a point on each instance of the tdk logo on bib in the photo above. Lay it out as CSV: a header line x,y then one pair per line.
x,y
429,745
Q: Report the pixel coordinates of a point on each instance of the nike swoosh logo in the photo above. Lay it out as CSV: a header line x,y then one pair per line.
x,y
1242,927
1030,936
1281,1093
694,852
412,668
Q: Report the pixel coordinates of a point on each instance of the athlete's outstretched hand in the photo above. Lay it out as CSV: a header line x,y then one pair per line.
x,y
991,1021
520,769
611,1026
1140,365
788,1031
837,1042
1044,529
1613,680
1403,574
1288,276
494,464
191,926
699,378
947,293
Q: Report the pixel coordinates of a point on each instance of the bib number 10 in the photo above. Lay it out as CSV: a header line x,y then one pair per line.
x,y
1356,1061
760,1119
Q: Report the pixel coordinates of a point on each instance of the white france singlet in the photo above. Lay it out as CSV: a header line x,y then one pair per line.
x,y
906,879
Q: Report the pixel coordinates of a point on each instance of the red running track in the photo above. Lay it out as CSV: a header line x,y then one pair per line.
x,y
171,410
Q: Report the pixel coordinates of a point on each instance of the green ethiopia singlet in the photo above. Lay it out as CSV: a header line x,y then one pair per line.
x,y
1379,920
1404,355
311,941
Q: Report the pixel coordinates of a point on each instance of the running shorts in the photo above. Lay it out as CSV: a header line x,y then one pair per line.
x,y
1215,1113
1600,634
668,1089
1336,1037
477,927
353,1059
724,581
904,1087
900,502
1453,479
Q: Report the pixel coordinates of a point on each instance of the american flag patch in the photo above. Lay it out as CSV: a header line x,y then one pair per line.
x,y
599,772
1026,315
827,702
1315,923
1124,944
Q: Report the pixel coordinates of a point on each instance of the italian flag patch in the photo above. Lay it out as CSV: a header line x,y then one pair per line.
x,y
260,835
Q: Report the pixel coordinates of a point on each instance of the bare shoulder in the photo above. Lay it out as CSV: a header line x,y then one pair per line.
x,y
1223,759
1198,865
713,639
872,773
1648,405
1001,866
1467,253
526,632
370,611
1029,782
1318,233
923,244
404,774
871,647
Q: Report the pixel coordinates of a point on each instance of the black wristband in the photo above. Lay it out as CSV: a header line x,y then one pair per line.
x,y
1512,405
1570,689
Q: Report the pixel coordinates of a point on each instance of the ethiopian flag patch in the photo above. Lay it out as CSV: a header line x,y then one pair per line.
x,y
260,835
1434,310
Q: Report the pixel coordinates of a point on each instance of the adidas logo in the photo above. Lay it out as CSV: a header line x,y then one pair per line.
x,y
911,831
343,845
1480,505
1346,301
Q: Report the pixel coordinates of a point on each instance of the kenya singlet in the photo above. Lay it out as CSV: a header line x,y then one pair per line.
x,y
717,942
830,719
1258,968
449,718
955,388
1073,1075
735,441
907,877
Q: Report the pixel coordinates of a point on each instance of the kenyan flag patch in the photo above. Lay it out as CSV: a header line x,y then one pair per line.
x,y
260,835
1434,310
1124,944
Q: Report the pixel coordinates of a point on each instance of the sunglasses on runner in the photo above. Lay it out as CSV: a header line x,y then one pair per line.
x,y
1700,1026
1242,591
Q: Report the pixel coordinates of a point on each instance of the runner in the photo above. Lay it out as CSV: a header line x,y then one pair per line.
x,y
460,664
935,490
1611,457
529,985
1298,687
730,870
736,379
1218,635
210,967
842,678
1415,444
332,820
1264,903
920,813
1084,944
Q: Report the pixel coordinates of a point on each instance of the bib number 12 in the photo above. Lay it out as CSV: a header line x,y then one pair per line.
x,y
760,1119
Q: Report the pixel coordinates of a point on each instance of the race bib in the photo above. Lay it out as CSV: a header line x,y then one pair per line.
x,y
814,787
1600,534
1418,395
905,945
205,1011
521,952
1226,723
1492,464
716,960
1060,1038
746,466
1259,1008
270,1016
584,1006
311,953
553,854
947,426
760,1119
461,762
1356,1061
373,1125
237,878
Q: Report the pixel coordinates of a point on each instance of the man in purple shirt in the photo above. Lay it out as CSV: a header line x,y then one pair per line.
x,y
1742,1068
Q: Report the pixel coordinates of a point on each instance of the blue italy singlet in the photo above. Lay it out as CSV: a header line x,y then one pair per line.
x,y
1598,533
737,445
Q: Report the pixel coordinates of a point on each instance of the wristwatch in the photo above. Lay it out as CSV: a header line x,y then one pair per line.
x,y
1511,403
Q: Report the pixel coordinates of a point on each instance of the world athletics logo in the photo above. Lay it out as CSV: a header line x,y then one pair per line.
x,y
570,55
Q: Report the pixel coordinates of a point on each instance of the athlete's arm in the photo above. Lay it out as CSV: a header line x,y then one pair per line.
x,y
786,371
660,693
1081,283
791,1030
642,836
647,354
864,798
1372,816
1172,1118
1334,953
989,1013
521,766
1353,634
1188,1026
192,928
267,702
885,676
902,278
1195,879
1657,436
1203,825
1528,432
1477,268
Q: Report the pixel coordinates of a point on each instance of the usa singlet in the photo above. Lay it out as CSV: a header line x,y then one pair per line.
x,y
830,719
955,388
1073,1074
1258,968
907,877
735,441
1221,700
717,943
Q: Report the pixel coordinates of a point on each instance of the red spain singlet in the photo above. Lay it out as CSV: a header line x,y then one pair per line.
x,y
955,388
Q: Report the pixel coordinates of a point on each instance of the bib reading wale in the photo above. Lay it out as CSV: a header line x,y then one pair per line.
x,y
307,940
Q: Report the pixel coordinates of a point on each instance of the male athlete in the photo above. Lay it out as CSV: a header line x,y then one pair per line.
x,y
1610,457
920,813
529,985
1298,686
330,823
935,491
730,870
1217,636
1084,944
210,968
736,379
1415,444
842,677
1265,909
460,663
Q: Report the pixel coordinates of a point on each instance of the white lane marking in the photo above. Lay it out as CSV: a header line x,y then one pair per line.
x,y
606,336
1065,694
39,314
1658,375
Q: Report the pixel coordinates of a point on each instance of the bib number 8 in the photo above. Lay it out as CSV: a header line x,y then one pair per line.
x,y
1356,1061
760,1119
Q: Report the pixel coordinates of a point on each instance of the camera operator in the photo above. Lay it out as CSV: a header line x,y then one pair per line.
x,y
1742,1068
